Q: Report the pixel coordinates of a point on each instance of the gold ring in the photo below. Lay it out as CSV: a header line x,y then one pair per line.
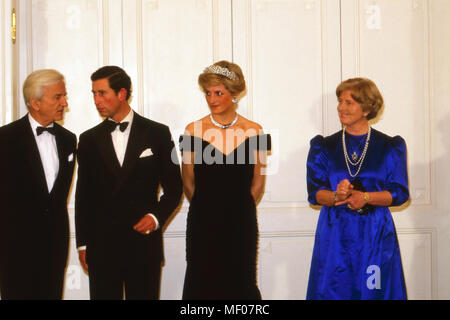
x,y
147,232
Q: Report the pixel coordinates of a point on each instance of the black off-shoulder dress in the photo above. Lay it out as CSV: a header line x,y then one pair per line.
x,y
222,228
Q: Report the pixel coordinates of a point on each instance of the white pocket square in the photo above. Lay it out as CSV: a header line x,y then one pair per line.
x,y
146,153
70,158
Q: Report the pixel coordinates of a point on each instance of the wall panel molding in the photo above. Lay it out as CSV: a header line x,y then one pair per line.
x,y
140,57
368,24
251,45
242,36
222,30
104,31
25,60
418,247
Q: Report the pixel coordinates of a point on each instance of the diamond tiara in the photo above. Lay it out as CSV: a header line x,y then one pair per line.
x,y
221,71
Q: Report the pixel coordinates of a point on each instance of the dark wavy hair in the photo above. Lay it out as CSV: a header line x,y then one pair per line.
x,y
116,76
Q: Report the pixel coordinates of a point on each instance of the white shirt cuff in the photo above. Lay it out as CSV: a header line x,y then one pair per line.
x,y
156,220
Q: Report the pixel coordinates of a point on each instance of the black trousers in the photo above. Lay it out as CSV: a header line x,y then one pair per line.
x,y
117,281
36,281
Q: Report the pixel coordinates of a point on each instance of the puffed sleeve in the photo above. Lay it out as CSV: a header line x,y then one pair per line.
x,y
397,177
317,168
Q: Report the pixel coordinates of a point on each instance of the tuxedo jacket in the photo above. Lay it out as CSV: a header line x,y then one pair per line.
x,y
110,199
34,227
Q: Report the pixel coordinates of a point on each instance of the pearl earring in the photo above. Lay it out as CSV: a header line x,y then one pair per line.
x,y
234,100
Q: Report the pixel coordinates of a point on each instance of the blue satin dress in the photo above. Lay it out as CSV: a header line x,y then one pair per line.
x,y
357,256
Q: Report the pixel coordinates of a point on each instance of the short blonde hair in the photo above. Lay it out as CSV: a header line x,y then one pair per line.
x,y
33,87
235,87
365,92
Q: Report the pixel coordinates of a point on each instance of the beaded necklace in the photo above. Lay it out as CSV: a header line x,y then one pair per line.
x,y
360,160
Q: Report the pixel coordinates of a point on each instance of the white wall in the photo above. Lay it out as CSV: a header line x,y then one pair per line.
x,y
7,85
293,53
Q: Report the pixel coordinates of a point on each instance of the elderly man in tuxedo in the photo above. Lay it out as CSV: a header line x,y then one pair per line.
x,y
36,168
119,218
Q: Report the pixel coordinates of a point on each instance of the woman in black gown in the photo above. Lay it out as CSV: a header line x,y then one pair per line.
x,y
223,177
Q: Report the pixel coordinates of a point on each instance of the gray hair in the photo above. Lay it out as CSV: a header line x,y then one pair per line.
x,y
33,87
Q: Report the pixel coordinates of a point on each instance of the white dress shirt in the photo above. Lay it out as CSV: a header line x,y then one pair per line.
x,y
48,152
120,139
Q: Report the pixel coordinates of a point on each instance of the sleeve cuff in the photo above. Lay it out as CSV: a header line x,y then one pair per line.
x,y
156,220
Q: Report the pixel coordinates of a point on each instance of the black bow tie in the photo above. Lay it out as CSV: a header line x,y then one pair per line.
x,y
113,125
51,130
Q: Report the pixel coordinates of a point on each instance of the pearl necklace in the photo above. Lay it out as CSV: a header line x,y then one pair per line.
x,y
361,159
223,126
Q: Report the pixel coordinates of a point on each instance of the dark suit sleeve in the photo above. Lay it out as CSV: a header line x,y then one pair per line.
x,y
3,192
6,176
82,194
170,179
2,169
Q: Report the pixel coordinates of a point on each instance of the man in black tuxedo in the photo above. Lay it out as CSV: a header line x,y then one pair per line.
x,y
119,218
36,168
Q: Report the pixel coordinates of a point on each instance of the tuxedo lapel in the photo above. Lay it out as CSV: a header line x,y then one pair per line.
x,y
134,146
106,148
62,155
61,148
31,152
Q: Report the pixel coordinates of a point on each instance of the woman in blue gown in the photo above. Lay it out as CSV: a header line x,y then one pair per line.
x,y
356,174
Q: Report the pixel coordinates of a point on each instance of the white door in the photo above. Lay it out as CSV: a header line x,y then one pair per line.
x,y
8,80
293,54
